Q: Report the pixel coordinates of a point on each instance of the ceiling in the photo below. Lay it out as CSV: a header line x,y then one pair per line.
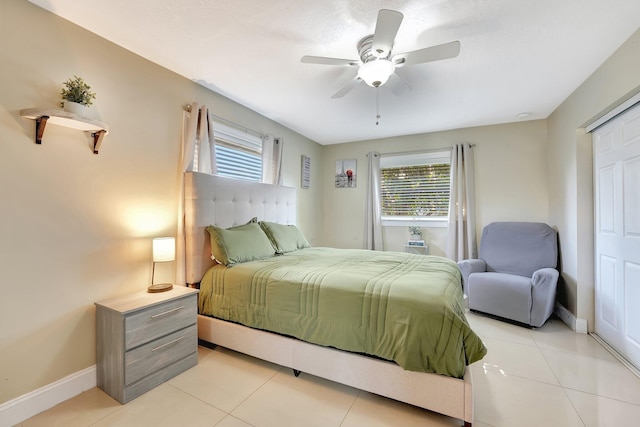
x,y
516,56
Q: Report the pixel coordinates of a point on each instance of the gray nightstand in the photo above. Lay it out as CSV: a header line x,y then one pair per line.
x,y
144,339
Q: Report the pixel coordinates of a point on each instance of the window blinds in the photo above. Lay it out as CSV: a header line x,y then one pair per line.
x,y
415,186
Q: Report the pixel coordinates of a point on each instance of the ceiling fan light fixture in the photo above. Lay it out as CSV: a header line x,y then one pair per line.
x,y
376,73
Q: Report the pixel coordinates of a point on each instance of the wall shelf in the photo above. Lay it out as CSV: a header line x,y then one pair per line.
x,y
42,116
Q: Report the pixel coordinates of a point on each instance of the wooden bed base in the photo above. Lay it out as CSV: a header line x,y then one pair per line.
x,y
438,393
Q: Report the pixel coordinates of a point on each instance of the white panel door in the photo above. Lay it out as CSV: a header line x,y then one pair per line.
x,y
617,259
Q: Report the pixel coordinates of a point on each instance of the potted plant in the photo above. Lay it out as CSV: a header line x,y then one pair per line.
x,y
415,232
76,96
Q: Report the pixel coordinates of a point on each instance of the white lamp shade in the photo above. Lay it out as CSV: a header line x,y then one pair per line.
x,y
164,249
376,73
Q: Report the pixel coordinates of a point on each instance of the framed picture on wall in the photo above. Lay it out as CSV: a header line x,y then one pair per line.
x,y
305,174
346,173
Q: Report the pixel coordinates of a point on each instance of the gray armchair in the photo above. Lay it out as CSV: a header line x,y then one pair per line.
x,y
515,276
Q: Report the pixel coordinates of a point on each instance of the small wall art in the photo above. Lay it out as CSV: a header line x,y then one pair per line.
x,y
305,177
346,173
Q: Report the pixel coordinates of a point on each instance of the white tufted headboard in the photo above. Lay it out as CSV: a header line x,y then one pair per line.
x,y
225,202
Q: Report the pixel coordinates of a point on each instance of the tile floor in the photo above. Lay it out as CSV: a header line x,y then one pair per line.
x,y
544,377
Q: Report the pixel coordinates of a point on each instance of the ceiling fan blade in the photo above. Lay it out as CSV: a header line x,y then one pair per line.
x,y
328,61
428,54
387,27
347,87
398,84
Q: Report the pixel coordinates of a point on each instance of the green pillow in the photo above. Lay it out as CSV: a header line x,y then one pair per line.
x,y
239,244
285,238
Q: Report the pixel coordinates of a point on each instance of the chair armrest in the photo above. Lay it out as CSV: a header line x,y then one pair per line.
x,y
543,294
468,266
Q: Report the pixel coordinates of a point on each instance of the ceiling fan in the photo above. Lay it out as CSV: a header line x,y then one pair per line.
x,y
376,62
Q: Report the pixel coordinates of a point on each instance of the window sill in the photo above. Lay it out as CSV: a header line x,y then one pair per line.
x,y
422,222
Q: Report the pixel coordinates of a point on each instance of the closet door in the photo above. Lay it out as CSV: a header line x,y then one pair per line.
x,y
617,232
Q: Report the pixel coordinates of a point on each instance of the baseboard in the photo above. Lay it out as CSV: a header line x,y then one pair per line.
x,y
576,324
30,404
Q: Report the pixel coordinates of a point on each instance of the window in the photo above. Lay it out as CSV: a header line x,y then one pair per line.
x,y
238,153
415,187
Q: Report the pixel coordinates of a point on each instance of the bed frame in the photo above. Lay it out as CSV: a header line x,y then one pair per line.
x,y
226,202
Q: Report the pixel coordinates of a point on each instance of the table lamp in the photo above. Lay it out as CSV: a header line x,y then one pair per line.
x,y
164,250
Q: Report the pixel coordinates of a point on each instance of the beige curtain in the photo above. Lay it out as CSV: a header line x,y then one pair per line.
x,y
197,137
373,223
461,240
272,149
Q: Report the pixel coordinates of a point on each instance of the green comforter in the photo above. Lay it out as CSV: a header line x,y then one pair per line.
x,y
396,306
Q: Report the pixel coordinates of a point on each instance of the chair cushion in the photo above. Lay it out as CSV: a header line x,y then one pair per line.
x,y
504,295
518,247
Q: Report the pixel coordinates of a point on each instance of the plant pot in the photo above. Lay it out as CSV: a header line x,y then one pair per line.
x,y
75,108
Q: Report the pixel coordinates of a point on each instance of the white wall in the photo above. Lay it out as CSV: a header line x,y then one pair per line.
x,y
511,181
77,227
570,161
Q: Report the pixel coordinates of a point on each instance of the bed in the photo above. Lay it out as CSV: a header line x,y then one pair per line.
x,y
373,363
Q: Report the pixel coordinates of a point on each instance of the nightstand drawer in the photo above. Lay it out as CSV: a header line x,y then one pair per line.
x,y
156,321
158,377
157,354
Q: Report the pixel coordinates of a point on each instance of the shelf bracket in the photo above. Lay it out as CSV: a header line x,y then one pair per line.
x,y
41,123
97,140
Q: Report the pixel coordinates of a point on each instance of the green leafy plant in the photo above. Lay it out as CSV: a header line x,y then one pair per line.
x,y
76,90
415,231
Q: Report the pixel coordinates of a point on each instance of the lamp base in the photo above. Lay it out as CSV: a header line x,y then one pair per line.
x,y
160,287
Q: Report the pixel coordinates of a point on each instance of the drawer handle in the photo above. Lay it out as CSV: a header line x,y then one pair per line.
x,y
167,344
168,312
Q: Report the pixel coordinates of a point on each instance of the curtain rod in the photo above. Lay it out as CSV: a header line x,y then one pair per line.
x,y
430,150
187,108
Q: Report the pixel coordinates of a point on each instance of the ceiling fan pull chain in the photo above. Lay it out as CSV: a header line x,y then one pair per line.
x,y
377,105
